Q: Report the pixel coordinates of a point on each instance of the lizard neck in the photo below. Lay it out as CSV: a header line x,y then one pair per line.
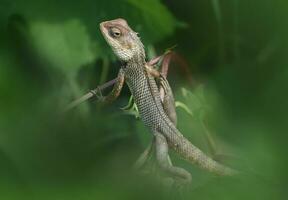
x,y
138,58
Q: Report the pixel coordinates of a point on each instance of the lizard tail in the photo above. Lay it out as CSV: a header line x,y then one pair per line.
x,y
195,156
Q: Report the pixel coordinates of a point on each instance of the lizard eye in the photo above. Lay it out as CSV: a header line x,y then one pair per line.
x,y
115,32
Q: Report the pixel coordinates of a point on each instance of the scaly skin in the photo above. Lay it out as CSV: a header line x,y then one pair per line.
x,y
128,48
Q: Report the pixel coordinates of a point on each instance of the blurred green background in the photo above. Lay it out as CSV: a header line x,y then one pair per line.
x,y
52,52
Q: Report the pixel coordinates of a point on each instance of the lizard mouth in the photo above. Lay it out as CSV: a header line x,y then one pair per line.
x,y
103,28
105,31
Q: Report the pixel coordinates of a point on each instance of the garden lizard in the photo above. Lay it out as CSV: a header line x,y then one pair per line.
x,y
156,110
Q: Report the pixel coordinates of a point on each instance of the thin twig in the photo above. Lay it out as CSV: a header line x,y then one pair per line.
x,y
89,95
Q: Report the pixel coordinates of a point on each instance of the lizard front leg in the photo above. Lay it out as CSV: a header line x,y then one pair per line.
x,y
118,85
116,89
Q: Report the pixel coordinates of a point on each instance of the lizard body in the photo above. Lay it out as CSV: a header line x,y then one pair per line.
x,y
129,49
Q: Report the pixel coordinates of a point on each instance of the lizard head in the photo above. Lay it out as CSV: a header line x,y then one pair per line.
x,y
123,40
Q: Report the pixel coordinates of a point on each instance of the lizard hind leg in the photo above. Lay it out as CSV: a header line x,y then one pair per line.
x,y
179,174
144,157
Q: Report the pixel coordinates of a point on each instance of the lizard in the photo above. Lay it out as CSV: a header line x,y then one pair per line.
x,y
158,116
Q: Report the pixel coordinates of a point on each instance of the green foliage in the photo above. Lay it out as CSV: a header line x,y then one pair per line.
x,y
52,52
158,18
66,46
91,14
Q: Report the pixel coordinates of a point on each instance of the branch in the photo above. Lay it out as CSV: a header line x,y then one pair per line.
x,y
89,95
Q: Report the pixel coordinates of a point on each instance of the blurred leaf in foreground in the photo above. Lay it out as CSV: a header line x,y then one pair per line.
x,y
67,46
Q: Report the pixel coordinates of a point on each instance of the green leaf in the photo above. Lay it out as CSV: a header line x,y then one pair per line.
x,y
217,10
131,108
67,45
179,104
158,21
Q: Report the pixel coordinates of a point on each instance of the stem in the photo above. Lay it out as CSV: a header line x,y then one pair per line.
x,y
236,30
89,95
221,36
76,90
105,70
